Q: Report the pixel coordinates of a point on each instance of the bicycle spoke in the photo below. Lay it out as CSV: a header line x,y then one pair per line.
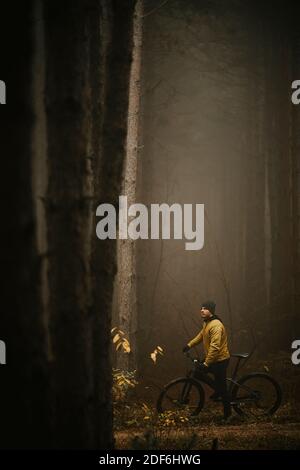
x,y
181,395
256,395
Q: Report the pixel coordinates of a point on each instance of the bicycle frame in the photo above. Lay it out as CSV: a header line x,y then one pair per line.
x,y
205,378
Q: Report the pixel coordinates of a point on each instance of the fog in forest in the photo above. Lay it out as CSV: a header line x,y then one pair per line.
x,y
216,128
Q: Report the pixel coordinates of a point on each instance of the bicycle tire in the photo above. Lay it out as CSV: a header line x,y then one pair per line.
x,y
263,380
187,388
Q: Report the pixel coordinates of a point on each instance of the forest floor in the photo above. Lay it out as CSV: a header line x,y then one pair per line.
x,y
138,426
282,431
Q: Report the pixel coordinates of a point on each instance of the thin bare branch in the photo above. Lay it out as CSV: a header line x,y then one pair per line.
x,y
154,9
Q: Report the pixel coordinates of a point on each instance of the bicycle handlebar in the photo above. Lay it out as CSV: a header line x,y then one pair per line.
x,y
193,359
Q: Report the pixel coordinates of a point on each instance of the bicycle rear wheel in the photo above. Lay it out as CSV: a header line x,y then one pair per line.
x,y
183,395
256,395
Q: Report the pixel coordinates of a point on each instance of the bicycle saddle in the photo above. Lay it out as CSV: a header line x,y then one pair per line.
x,y
241,355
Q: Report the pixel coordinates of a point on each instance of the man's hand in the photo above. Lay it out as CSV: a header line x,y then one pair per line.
x,y
203,367
185,349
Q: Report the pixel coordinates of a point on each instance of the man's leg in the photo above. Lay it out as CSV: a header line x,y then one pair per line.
x,y
219,370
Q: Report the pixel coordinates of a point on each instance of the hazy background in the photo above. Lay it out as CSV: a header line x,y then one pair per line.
x,y
217,129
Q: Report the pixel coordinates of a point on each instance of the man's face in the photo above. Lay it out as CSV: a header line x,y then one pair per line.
x,y
205,313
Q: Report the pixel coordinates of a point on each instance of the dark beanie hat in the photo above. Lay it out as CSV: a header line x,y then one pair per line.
x,y
210,305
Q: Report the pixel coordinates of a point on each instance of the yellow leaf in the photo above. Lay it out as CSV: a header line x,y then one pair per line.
x,y
118,346
153,357
116,338
115,328
126,346
160,349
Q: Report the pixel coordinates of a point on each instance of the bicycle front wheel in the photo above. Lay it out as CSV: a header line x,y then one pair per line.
x,y
181,395
256,395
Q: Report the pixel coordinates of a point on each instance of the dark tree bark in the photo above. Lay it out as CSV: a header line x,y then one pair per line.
x,y
69,210
87,105
23,380
279,170
295,325
65,403
111,144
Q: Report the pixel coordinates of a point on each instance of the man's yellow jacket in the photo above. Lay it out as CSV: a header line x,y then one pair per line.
x,y
214,337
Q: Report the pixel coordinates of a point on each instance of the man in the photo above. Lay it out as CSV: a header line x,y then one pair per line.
x,y
214,337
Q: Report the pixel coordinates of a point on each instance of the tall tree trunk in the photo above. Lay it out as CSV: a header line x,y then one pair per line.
x,y
126,279
108,170
88,47
254,288
295,325
68,211
278,172
24,403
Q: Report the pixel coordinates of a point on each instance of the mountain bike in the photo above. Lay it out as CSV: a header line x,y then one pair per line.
x,y
256,394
